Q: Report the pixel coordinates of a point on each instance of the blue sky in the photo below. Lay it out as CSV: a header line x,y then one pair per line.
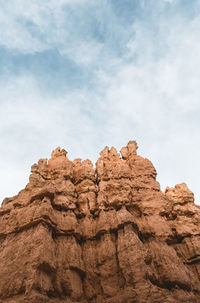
x,y
83,74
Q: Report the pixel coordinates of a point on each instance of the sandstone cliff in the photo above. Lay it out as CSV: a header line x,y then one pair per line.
x,y
104,235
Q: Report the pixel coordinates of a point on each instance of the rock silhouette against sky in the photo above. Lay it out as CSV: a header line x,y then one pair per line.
x,y
102,235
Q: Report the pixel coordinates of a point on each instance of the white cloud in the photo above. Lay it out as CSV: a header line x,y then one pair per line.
x,y
170,1
30,27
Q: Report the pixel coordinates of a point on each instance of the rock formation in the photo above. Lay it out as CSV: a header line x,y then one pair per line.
x,y
104,235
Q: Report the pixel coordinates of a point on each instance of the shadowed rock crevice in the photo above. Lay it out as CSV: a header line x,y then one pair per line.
x,y
79,233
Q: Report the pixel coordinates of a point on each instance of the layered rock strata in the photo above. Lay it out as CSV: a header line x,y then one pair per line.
x,y
102,235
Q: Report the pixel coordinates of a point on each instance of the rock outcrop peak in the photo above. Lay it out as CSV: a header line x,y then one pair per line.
x,y
103,234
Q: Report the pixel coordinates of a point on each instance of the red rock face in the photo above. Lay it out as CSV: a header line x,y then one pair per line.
x,y
104,235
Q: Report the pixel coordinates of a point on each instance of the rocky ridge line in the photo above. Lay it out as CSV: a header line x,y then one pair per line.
x,y
107,234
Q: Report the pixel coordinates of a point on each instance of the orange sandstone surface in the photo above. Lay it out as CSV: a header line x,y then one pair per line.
x,y
102,235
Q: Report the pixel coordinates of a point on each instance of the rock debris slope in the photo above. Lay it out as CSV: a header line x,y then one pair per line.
x,y
79,234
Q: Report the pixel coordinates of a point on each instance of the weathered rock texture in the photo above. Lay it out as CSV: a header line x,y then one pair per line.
x,y
79,234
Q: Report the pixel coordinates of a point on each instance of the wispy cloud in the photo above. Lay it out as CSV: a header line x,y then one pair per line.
x,y
85,74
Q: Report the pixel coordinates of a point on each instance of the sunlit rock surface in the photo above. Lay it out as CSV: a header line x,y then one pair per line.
x,y
107,234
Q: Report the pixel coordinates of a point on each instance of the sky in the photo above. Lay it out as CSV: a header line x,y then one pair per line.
x,y
85,74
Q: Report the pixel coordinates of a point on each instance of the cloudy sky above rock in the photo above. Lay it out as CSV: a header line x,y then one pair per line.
x,y
83,74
